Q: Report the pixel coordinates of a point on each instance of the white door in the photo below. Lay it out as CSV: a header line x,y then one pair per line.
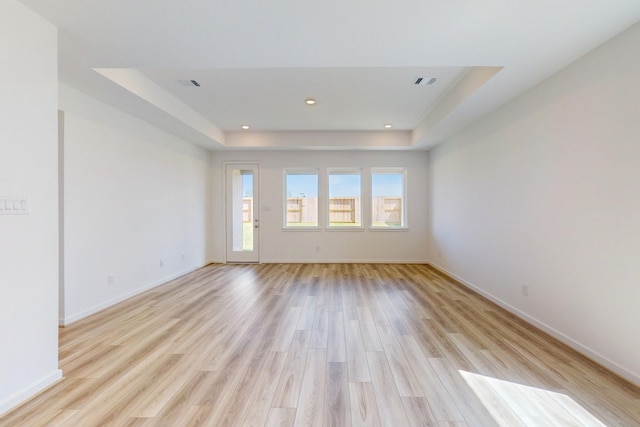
x,y
243,222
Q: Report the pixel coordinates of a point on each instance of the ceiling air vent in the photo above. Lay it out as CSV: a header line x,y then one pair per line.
x,y
424,81
189,83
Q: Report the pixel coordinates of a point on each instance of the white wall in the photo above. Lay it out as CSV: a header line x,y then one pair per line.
x,y
545,192
277,245
28,168
134,195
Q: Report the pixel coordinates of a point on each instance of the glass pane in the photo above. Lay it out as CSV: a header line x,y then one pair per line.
x,y
242,210
344,199
387,199
302,200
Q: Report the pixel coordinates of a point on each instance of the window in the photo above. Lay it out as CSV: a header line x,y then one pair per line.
x,y
388,200
345,188
301,201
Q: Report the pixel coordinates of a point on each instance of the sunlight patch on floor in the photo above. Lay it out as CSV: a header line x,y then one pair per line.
x,y
512,404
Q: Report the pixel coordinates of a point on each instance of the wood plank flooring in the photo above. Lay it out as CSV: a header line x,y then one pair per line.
x,y
320,345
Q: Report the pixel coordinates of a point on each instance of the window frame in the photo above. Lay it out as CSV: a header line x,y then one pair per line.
x,y
358,209
285,205
403,216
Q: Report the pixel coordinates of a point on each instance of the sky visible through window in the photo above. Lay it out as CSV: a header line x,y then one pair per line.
x,y
344,185
340,185
247,184
302,185
386,185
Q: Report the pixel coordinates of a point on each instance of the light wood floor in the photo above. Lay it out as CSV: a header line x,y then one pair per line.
x,y
317,344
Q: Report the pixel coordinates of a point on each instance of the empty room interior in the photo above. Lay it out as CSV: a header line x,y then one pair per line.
x,y
320,213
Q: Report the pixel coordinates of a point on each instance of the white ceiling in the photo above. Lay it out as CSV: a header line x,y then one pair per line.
x,y
258,61
272,99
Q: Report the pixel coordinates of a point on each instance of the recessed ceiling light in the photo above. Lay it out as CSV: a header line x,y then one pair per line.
x,y
388,126
310,101
245,127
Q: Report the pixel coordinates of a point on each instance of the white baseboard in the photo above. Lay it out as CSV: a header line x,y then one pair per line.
x,y
341,261
30,391
576,345
106,304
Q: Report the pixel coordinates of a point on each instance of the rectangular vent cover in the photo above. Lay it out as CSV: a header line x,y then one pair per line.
x,y
424,81
189,83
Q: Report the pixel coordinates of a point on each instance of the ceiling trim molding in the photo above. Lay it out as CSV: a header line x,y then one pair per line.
x,y
140,85
462,89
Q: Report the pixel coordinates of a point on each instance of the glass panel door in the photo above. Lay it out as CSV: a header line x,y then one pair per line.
x,y
243,223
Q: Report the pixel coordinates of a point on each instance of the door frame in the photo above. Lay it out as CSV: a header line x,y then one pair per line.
x,y
237,256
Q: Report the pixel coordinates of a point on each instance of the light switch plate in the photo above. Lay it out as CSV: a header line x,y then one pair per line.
x,y
14,206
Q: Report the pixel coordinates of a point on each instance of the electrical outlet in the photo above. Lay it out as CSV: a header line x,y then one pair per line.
x,y
111,279
161,263
439,254
182,257
318,248
525,290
